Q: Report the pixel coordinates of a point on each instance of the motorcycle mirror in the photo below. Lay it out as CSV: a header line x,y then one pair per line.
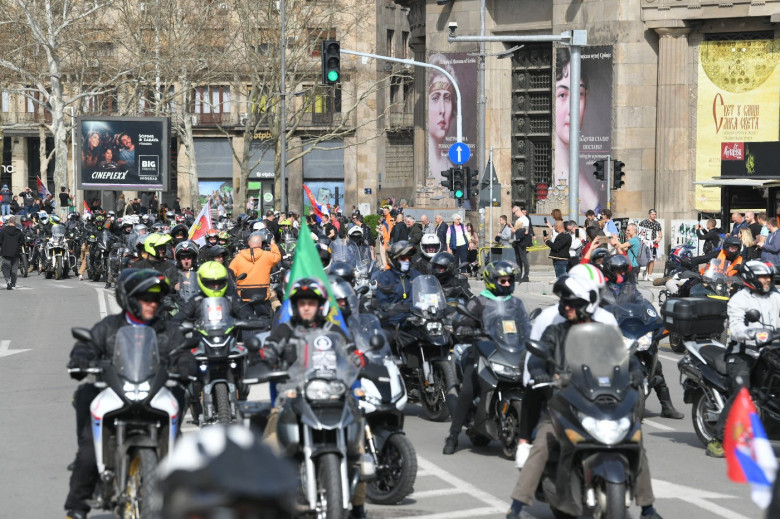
x,y
752,316
376,342
253,343
81,334
536,349
251,325
186,326
286,264
362,290
534,313
241,277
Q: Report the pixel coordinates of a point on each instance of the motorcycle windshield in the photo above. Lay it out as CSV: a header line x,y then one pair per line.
x,y
716,270
323,355
427,294
215,314
188,285
636,319
363,327
106,237
58,231
506,322
596,358
136,356
344,250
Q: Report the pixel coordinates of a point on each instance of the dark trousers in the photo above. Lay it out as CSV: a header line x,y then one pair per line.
x,y
461,255
10,268
738,368
559,265
531,412
466,397
521,257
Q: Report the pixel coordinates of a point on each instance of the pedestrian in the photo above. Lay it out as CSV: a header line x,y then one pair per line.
x,y
121,204
749,247
177,205
770,247
630,248
738,219
400,231
64,197
29,200
523,239
559,249
415,232
575,250
6,196
473,251
610,229
505,233
655,233
426,225
710,237
458,241
440,229
11,240
153,205
15,209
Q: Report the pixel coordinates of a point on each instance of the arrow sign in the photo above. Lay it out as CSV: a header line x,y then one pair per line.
x,y
459,153
5,352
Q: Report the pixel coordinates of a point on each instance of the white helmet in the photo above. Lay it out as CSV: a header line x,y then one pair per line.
x,y
588,272
430,245
578,293
258,225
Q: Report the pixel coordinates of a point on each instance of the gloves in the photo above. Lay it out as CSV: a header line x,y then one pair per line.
x,y
636,379
540,377
358,359
79,359
268,355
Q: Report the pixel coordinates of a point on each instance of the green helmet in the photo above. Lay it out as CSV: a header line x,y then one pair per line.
x,y
498,269
156,243
213,279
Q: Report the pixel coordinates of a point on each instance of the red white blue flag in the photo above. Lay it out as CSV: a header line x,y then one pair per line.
x,y
319,210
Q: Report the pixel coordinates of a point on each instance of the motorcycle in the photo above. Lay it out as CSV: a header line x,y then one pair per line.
x,y
28,245
427,366
499,351
56,258
99,247
134,420
359,257
382,403
592,471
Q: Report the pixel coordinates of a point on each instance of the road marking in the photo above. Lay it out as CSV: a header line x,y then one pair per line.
x,y
669,358
5,351
110,296
61,286
474,512
435,493
497,505
695,496
657,425
101,302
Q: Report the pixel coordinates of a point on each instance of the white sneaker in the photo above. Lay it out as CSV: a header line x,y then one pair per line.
x,y
521,455
81,277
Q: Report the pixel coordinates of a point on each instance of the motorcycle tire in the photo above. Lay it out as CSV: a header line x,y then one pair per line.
x,y
561,515
616,502
477,440
140,485
329,491
511,431
24,266
702,405
58,269
222,403
396,472
49,274
676,343
434,402
95,276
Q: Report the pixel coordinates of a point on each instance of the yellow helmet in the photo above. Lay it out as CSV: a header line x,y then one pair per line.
x,y
213,279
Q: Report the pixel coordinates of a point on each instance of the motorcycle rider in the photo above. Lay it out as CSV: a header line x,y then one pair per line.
x,y
139,293
179,233
213,282
499,277
579,301
760,294
394,290
357,235
155,250
454,284
257,264
182,276
212,240
430,245
220,254
620,290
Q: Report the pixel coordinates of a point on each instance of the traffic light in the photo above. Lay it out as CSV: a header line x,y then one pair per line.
x,y
617,177
472,183
599,173
447,182
458,183
331,62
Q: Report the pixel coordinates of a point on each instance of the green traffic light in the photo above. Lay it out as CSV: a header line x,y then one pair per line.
x,y
458,194
333,76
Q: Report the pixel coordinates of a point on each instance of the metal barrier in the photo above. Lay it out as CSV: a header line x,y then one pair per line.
x,y
495,253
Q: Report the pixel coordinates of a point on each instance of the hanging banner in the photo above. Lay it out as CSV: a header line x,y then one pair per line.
x,y
738,102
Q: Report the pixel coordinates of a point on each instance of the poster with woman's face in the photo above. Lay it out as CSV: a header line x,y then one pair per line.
x,y
442,109
595,117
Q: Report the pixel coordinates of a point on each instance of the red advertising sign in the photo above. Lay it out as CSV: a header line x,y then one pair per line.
x,y
732,151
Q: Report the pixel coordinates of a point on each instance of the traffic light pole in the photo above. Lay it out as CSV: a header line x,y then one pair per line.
x,y
608,177
459,118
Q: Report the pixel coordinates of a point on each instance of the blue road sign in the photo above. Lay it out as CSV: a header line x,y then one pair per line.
x,y
459,153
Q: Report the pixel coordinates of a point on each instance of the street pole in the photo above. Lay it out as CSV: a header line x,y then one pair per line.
x,y
490,203
608,176
482,109
283,110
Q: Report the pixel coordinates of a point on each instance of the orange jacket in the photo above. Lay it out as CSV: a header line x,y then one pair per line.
x,y
387,228
257,264
733,268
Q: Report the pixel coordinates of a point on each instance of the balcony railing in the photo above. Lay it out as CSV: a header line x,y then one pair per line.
x,y
400,120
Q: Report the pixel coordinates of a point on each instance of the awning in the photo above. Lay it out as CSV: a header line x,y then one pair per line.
x,y
743,182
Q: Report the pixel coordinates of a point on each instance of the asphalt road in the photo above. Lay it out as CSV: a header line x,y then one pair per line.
x,y
38,427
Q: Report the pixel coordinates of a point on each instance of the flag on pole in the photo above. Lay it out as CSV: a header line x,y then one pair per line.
x,y
42,191
749,455
87,210
319,209
202,225
307,264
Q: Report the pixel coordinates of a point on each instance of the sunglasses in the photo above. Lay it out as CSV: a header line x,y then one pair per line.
x,y
405,258
150,297
504,281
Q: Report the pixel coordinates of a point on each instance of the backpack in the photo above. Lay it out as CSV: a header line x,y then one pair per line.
x,y
529,235
645,255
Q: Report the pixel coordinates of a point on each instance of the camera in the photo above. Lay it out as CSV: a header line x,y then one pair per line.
x,y
453,27
545,219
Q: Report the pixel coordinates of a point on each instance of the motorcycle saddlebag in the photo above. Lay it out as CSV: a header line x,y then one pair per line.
x,y
694,316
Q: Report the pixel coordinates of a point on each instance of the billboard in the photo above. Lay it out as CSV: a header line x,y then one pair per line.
x,y
738,102
123,153
750,159
595,121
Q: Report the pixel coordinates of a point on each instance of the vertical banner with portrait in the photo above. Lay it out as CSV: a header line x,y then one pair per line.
x,y
118,153
738,102
595,121
442,110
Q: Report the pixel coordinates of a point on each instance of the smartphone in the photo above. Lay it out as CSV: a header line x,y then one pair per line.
x,y
544,233
545,219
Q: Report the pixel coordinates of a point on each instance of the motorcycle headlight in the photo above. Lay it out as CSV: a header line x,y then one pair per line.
x,y
609,432
136,392
627,342
433,328
506,371
644,342
318,390
370,391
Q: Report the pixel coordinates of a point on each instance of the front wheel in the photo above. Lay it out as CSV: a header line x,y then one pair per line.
x,y
140,485
676,343
433,396
329,489
222,403
58,269
511,431
615,505
24,265
704,415
396,472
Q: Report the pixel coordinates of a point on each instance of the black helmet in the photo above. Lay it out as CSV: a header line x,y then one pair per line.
x,y
500,269
134,282
212,253
309,288
597,254
224,469
253,214
732,246
443,266
343,270
325,253
179,230
343,294
398,250
242,219
616,268
750,272
185,249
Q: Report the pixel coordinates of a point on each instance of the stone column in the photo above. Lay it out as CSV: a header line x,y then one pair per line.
x,y
672,180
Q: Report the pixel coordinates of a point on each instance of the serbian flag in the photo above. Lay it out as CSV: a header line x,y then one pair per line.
x,y
42,191
87,210
202,225
749,454
307,264
318,209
